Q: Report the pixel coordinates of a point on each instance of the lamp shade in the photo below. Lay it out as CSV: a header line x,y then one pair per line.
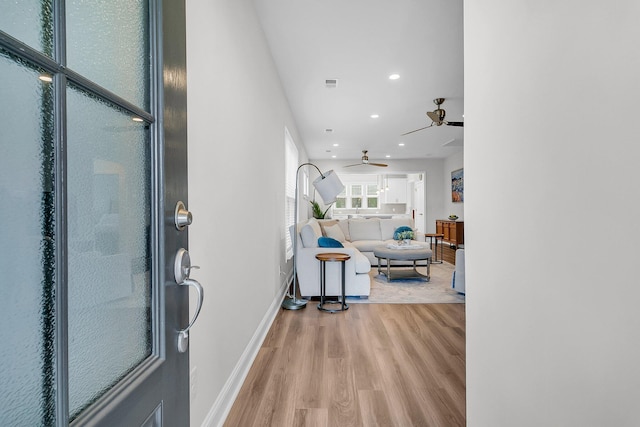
x,y
328,186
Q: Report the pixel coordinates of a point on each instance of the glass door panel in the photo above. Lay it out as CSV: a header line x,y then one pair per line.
x,y
30,21
27,253
109,44
109,220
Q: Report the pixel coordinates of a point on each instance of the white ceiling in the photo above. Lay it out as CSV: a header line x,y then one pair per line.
x,y
360,43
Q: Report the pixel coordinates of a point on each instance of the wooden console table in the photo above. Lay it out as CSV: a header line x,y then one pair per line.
x,y
453,231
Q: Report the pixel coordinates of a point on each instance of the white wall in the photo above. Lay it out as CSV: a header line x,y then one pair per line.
x,y
551,157
236,118
452,163
433,169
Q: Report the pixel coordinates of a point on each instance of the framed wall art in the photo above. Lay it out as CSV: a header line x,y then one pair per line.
x,y
457,186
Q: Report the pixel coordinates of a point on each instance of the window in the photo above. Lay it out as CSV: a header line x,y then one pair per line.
x,y
341,200
372,196
290,167
358,196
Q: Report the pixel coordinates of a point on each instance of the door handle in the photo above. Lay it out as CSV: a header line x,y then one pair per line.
x,y
183,334
182,269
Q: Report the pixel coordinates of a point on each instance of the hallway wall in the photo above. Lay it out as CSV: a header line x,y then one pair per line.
x,y
551,152
237,113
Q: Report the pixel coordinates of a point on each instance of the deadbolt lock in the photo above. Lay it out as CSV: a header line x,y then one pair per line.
x,y
182,216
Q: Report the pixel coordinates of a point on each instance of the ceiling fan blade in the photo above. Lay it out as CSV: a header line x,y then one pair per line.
x,y
460,124
417,130
382,165
357,164
433,115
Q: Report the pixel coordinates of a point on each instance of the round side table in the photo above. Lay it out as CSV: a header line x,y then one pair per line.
x,y
331,257
436,236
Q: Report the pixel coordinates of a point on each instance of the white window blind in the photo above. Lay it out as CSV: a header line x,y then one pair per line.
x,y
291,166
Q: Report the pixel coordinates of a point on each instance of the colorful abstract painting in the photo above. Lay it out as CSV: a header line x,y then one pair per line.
x,y
457,186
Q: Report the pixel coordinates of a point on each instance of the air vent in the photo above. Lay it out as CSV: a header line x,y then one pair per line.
x,y
328,130
331,83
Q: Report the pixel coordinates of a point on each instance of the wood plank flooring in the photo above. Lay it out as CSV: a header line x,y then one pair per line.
x,y
373,365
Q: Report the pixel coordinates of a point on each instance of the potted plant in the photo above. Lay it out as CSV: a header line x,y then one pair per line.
x,y
317,211
405,237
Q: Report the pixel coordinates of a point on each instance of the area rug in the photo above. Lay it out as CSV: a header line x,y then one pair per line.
x,y
413,291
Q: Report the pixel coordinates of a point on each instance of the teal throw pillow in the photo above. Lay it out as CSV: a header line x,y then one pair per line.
x,y
400,230
328,242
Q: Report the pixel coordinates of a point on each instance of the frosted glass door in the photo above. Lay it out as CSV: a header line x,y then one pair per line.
x,y
90,315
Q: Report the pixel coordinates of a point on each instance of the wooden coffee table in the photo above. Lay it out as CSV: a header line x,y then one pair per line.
x,y
422,253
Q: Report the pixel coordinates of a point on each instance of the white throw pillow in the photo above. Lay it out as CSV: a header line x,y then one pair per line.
x,y
309,237
335,232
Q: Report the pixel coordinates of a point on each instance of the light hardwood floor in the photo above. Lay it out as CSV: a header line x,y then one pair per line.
x,y
373,365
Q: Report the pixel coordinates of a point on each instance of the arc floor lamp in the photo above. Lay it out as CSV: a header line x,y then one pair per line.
x,y
328,185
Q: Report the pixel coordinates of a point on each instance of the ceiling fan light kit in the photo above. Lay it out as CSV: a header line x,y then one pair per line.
x,y
437,117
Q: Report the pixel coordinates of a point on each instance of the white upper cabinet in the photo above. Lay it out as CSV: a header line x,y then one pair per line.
x,y
396,191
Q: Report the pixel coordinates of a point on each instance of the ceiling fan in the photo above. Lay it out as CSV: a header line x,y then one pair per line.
x,y
365,161
437,118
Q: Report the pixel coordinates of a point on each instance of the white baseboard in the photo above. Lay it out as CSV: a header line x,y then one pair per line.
x,y
222,406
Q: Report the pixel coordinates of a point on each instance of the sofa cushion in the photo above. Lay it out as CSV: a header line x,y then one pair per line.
x,y
365,229
366,245
335,232
344,225
326,223
388,226
316,226
328,242
309,237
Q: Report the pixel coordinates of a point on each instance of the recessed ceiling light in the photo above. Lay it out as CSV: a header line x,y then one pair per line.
x,y
375,116
333,157
336,145
401,144
394,76
388,156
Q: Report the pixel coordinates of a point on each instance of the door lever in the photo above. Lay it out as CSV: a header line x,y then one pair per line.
x,y
182,269
183,334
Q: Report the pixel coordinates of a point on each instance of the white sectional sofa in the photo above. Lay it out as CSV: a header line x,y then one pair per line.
x,y
359,237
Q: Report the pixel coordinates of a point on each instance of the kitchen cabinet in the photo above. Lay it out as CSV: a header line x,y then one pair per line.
x,y
396,191
453,231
